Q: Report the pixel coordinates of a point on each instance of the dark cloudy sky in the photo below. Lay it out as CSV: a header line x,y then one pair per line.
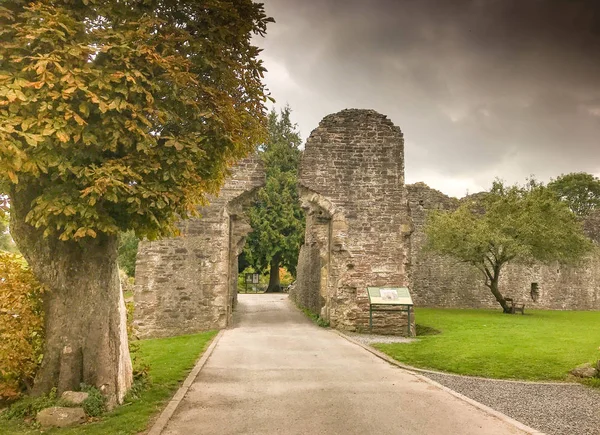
x,y
480,88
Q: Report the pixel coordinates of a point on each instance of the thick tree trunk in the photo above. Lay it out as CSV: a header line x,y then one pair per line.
x,y
274,283
493,286
85,317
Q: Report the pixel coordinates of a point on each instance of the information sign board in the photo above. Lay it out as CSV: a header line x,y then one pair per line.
x,y
252,278
389,296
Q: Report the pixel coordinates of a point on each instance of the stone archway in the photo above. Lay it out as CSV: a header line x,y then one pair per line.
x,y
188,284
352,187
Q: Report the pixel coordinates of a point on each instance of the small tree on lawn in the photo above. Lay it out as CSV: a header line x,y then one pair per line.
x,y
115,116
276,217
580,190
508,224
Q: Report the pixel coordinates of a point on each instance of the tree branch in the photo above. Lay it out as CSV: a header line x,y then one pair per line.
x,y
492,262
489,277
492,251
486,273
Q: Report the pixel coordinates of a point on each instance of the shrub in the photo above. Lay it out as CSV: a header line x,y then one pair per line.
x,y
319,321
141,369
285,277
28,407
21,326
141,382
128,248
127,283
95,404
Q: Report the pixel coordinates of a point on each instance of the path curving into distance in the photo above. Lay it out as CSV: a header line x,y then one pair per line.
x,y
276,372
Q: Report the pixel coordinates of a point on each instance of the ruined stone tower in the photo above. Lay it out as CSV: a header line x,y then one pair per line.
x,y
357,224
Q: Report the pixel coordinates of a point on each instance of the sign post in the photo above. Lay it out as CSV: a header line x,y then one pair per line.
x,y
252,278
389,299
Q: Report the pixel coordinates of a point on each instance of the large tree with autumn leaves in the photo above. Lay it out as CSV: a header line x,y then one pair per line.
x,y
115,116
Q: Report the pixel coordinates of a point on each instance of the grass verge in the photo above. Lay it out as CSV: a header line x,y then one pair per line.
x,y
169,360
319,321
540,346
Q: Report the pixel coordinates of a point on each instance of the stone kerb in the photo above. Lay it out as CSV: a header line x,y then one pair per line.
x,y
352,186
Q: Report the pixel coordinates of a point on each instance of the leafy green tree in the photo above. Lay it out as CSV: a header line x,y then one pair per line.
x,y
276,217
128,248
580,190
508,224
116,116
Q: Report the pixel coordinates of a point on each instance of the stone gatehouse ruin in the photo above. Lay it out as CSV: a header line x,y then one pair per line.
x,y
357,222
188,284
364,227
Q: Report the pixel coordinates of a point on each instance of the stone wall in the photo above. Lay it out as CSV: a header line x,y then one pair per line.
x,y
364,227
357,224
188,283
306,290
441,281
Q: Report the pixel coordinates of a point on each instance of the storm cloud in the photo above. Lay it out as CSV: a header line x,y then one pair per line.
x,y
480,88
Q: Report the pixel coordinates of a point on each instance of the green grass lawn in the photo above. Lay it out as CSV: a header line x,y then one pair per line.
x,y
170,360
541,345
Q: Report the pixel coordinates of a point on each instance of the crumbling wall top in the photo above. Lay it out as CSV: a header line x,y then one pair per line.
x,y
355,158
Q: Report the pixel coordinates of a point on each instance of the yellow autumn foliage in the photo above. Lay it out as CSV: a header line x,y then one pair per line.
x,y
21,326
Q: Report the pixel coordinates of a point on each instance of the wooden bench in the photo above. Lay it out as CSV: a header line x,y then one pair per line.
x,y
515,306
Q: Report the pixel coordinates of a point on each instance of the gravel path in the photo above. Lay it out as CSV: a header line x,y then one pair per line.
x,y
369,339
551,408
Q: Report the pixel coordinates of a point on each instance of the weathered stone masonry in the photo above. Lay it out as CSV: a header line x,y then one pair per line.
x,y
189,283
357,224
364,227
442,281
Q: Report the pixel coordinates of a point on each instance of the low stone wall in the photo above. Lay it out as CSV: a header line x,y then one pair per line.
x,y
188,284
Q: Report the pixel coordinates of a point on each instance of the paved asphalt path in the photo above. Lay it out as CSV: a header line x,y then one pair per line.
x,y
276,372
